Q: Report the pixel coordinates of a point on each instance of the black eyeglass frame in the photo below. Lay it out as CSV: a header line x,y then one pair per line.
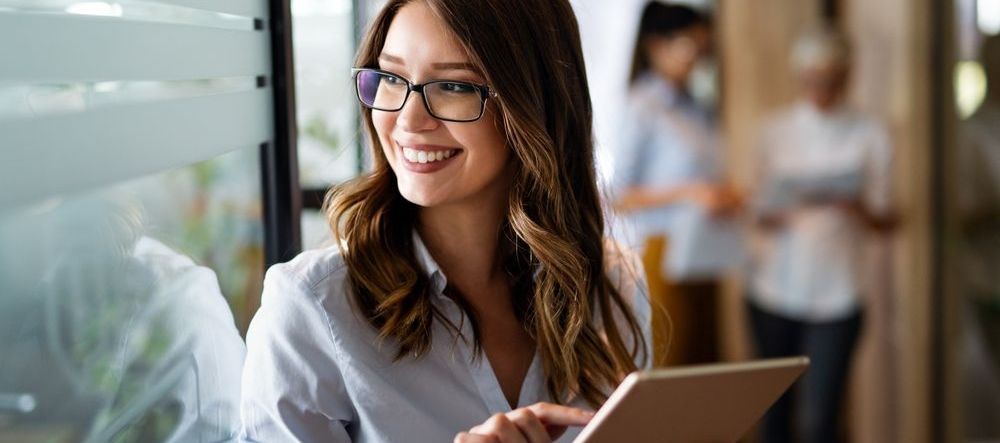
x,y
485,93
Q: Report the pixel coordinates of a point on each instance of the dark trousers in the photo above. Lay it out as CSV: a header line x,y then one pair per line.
x,y
810,409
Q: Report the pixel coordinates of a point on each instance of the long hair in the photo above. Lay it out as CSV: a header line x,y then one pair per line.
x,y
552,236
661,20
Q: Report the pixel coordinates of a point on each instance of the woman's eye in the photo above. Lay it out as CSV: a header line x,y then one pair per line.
x,y
390,80
459,88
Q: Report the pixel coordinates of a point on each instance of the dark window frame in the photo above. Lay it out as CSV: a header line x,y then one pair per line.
x,y
282,199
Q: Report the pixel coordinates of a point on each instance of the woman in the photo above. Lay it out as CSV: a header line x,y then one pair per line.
x,y
471,295
823,178
669,180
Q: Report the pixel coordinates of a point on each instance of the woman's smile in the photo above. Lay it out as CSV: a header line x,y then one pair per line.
x,y
424,158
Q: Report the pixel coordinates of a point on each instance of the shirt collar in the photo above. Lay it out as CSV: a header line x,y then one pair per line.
x,y
664,94
430,267
810,111
662,90
433,270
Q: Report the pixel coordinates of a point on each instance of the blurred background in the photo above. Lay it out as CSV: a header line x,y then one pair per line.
x,y
157,156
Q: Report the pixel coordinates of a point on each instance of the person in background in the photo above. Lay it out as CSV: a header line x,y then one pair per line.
x,y
470,295
668,182
822,183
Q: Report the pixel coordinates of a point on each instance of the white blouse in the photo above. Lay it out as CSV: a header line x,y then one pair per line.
x,y
812,268
666,140
314,371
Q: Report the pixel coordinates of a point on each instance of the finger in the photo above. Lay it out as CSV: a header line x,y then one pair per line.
x,y
530,425
500,427
558,415
465,437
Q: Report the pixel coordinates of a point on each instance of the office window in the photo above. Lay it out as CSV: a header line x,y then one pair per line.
x,y
131,215
328,139
331,148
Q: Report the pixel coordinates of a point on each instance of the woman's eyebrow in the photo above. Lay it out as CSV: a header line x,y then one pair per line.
x,y
455,66
444,66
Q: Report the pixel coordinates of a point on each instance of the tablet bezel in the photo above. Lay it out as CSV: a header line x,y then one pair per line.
x,y
779,373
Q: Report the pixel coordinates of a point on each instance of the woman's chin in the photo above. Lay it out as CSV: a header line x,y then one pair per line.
x,y
421,197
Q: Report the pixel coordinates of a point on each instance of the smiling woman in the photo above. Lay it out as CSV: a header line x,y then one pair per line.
x,y
472,294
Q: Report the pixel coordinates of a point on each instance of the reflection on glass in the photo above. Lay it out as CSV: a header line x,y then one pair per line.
x,y
31,100
114,321
133,10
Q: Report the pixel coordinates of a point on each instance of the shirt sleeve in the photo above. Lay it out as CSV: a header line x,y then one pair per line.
x,y
293,388
878,174
763,201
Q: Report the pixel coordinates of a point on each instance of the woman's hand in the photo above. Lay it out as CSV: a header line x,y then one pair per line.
x,y
538,423
717,199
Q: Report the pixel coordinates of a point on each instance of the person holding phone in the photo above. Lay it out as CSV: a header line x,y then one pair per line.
x,y
471,294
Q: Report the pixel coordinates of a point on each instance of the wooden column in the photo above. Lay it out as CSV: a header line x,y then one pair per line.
x,y
894,80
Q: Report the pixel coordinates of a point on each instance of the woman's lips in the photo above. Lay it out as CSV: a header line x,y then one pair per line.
x,y
426,158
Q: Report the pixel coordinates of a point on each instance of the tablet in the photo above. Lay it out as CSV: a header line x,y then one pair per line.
x,y
710,403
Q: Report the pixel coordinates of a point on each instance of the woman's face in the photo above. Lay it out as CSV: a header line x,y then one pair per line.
x,y
420,48
675,56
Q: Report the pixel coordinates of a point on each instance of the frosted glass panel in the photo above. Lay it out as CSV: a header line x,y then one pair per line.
x,y
61,98
85,48
67,152
116,307
132,10
131,226
238,7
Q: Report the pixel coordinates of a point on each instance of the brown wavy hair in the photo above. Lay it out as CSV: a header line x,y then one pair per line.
x,y
530,53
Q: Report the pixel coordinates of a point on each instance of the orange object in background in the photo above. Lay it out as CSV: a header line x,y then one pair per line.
x,y
685,325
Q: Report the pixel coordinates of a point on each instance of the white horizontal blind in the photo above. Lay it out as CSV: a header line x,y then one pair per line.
x,y
93,93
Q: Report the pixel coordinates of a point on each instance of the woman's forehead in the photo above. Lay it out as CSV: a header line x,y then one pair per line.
x,y
417,37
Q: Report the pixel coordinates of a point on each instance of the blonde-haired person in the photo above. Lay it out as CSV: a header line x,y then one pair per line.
x,y
822,183
472,295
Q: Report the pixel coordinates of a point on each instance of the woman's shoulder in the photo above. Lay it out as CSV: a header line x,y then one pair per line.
x,y
315,278
313,269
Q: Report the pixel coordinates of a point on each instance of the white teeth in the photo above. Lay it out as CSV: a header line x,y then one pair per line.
x,y
415,156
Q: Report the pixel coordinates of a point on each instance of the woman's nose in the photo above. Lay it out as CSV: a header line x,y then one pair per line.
x,y
414,116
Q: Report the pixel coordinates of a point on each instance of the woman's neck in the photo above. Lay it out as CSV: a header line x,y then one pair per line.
x,y
677,82
464,241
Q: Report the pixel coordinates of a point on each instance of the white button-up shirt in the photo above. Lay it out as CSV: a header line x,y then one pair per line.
x,y
315,371
810,269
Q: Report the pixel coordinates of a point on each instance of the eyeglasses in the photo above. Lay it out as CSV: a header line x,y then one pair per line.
x,y
447,100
